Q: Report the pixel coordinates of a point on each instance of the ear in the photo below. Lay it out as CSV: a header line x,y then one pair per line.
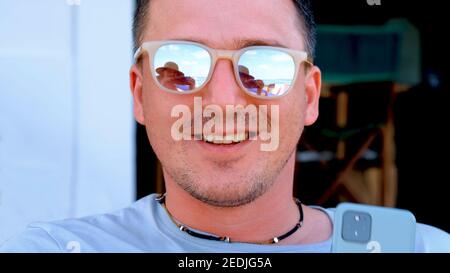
x,y
136,91
313,82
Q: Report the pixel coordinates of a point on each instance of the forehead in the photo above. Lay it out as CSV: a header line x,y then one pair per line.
x,y
225,24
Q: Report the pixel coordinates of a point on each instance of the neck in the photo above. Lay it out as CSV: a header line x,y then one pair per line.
x,y
244,223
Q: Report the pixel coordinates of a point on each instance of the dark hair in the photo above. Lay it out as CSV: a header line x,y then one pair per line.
x,y
306,17
303,8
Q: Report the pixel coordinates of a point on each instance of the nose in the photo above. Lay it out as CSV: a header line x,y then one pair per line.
x,y
223,88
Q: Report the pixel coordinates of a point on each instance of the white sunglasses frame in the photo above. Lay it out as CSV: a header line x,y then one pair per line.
x,y
151,47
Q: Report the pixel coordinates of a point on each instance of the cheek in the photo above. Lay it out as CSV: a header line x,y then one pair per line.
x,y
158,121
292,116
291,120
158,107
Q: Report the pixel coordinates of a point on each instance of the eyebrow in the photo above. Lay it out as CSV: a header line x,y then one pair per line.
x,y
238,43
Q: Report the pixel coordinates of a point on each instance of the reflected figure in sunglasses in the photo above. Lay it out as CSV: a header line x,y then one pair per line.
x,y
170,77
221,195
260,88
249,81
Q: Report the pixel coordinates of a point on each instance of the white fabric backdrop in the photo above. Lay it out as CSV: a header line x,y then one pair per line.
x,y
66,125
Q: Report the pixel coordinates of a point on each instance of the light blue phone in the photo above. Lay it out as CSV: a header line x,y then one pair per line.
x,y
370,229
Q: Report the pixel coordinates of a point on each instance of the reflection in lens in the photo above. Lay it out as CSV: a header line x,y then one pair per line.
x,y
266,72
181,67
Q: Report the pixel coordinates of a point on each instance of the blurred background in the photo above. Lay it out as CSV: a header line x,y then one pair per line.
x,y
67,134
69,145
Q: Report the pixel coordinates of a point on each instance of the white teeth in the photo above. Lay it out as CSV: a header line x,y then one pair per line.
x,y
228,139
209,138
218,140
239,137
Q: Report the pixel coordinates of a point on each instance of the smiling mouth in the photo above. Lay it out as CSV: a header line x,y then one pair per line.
x,y
228,139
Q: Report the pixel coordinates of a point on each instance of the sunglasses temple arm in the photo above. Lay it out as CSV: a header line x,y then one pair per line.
x,y
137,54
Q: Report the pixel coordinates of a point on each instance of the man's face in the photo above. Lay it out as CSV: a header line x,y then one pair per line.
x,y
224,175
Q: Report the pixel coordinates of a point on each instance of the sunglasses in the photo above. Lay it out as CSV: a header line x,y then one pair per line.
x,y
184,67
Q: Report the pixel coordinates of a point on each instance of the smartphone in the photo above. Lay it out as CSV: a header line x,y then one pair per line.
x,y
371,229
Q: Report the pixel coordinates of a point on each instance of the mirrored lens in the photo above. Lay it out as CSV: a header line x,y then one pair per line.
x,y
266,72
181,67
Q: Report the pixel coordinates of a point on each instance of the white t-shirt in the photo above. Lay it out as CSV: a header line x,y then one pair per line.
x,y
145,226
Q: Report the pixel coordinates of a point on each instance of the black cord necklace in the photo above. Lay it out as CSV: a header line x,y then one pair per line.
x,y
161,200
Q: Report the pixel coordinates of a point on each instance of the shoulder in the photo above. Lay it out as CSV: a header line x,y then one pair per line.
x,y
107,232
431,239
33,239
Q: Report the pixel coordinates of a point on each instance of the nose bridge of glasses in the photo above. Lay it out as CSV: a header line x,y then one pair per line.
x,y
219,54
231,55
224,54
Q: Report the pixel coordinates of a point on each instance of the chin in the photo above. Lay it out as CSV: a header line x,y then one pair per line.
x,y
224,193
